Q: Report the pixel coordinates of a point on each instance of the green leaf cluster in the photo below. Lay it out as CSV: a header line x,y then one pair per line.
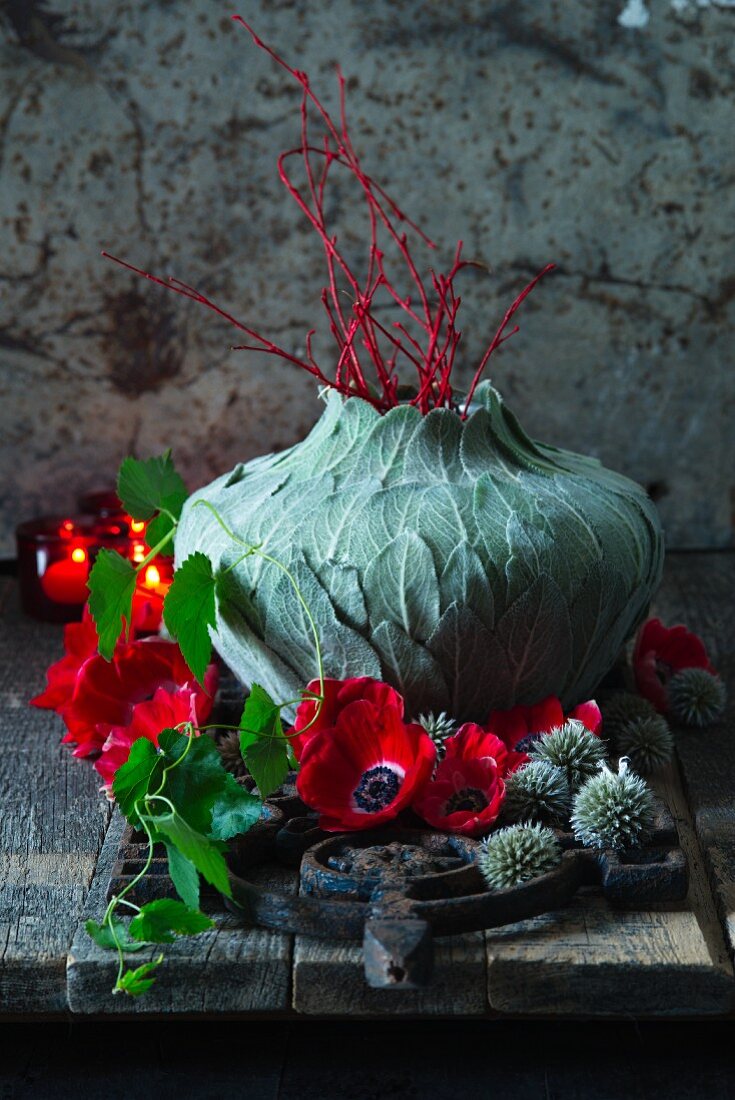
x,y
182,797
149,490
189,802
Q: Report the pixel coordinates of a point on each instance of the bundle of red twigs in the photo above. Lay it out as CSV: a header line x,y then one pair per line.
x,y
370,352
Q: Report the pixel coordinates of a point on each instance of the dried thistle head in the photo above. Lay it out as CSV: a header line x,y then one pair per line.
x,y
439,727
647,742
228,745
613,810
517,854
696,697
537,792
572,748
623,707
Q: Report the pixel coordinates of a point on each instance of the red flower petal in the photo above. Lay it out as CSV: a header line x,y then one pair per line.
x,y
337,762
517,726
471,742
461,781
166,710
660,652
106,691
590,715
337,695
80,643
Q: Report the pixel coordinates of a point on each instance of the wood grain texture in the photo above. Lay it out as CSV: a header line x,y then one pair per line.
x,y
699,590
226,970
593,960
52,822
329,980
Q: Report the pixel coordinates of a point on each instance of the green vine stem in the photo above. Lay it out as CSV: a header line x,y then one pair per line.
x,y
249,551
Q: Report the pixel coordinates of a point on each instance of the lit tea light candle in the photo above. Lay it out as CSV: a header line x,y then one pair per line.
x,y
65,581
55,555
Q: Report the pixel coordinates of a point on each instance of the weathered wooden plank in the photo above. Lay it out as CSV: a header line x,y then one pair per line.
x,y
329,981
593,960
52,822
699,590
229,969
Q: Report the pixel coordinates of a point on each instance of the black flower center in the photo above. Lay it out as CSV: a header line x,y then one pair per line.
x,y
377,789
527,743
468,799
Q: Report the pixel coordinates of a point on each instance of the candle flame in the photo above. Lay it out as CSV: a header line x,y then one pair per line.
x,y
66,528
137,525
79,554
138,551
152,576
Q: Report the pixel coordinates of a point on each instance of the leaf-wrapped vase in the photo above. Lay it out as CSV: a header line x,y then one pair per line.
x,y
462,562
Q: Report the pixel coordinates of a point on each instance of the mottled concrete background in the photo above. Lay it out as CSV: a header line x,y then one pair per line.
x,y
534,131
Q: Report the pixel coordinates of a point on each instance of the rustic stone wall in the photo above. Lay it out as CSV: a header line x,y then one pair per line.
x,y
597,135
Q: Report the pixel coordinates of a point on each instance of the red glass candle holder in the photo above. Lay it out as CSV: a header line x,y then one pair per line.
x,y
55,555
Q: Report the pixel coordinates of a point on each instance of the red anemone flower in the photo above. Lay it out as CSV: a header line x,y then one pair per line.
x,y
337,695
365,769
659,653
80,643
522,726
166,710
105,692
467,791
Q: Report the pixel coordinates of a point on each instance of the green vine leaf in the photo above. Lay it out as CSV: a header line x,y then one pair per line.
x,y
147,486
111,588
158,920
136,982
204,793
132,780
102,936
205,854
184,876
263,746
235,810
189,611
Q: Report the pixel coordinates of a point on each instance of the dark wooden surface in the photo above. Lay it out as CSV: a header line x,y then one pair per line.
x,y
584,960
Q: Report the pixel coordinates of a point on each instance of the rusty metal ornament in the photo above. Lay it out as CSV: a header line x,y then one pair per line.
x,y
396,888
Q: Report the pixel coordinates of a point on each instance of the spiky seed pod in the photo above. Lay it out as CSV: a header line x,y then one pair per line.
x,y
439,727
229,749
572,748
516,854
537,792
647,742
621,708
613,810
696,697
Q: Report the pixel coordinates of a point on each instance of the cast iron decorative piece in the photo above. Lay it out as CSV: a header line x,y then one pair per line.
x,y
396,888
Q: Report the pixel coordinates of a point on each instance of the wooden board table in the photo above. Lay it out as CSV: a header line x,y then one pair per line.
x,y
58,839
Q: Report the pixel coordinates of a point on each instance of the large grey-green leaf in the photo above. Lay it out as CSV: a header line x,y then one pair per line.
x,y
465,582
412,669
473,662
289,631
446,519
378,520
536,635
432,452
401,586
382,452
342,583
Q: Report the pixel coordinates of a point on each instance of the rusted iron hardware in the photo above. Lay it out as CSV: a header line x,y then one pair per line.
x,y
398,887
